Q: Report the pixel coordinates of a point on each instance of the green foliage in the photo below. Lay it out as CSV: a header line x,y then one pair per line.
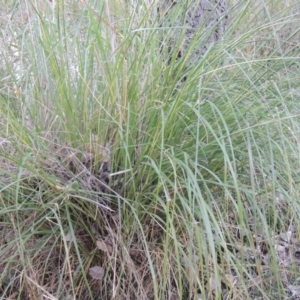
x,y
109,158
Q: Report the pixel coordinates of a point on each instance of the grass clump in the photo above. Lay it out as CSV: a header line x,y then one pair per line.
x,y
120,180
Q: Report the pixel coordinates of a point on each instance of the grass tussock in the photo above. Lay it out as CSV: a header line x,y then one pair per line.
x,y
127,173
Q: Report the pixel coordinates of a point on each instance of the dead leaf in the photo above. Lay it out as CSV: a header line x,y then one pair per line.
x,y
279,248
266,259
12,296
286,237
101,245
212,284
187,262
68,237
96,272
295,290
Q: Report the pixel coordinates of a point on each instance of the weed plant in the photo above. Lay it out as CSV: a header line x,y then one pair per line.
x,y
120,180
